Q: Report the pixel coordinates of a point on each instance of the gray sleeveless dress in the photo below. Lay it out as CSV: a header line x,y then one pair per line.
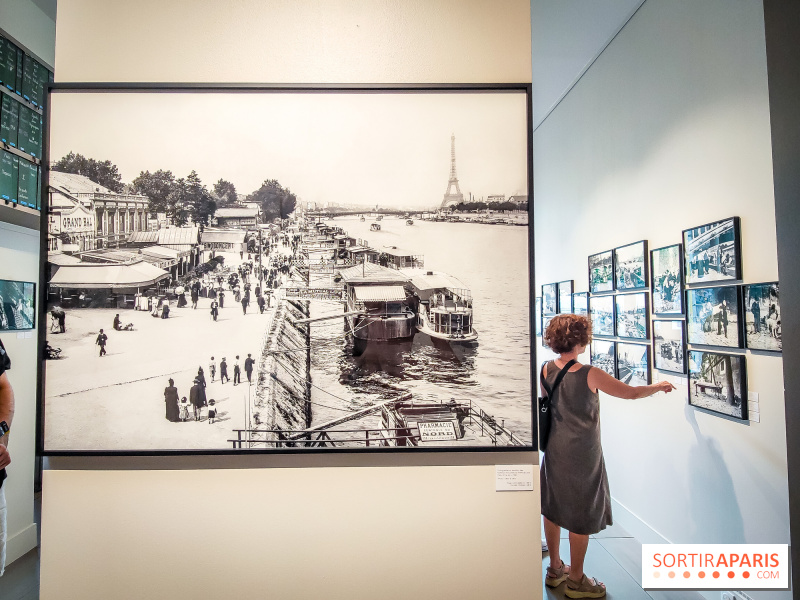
x,y
573,474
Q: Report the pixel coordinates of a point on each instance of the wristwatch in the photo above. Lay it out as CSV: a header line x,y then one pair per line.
x,y
3,428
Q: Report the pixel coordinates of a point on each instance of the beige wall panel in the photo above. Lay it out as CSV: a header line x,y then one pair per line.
x,y
288,533
293,41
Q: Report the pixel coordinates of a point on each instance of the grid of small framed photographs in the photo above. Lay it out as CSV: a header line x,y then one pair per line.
x,y
691,296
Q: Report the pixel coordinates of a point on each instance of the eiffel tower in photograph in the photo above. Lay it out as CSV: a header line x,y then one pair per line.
x,y
451,197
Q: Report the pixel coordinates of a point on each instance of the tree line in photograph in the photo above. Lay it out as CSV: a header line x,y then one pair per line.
x,y
181,198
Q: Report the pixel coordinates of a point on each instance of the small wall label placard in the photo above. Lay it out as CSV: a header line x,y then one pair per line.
x,y
513,478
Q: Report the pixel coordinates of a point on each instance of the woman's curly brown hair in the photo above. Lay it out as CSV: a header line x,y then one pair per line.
x,y
564,332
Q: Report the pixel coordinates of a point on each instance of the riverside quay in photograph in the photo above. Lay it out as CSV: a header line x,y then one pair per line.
x,y
294,289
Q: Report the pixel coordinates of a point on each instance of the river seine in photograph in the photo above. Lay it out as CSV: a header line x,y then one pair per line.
x,y
495,373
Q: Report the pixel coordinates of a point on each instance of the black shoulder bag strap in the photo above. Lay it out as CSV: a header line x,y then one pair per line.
x,y
545,403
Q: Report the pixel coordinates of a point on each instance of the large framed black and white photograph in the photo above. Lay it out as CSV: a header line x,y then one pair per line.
x,y
712,252
666,273
580,303
669,345
713,316
288,269
565,296
603,355
718,382
762,308
601,272
630,266
17,305
632,316
601,313
550,299
633,363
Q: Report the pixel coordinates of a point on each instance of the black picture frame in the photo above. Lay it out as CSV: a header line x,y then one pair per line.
x,y
713,251
565,289
18,306
632,316
762,329
538,316
523,89
550,299
666,286
718,383
669,345
580,303
601,313
601,272
631,267
603,355
705,313
633,363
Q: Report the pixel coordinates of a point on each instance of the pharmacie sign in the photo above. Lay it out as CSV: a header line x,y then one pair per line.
x,y
434,431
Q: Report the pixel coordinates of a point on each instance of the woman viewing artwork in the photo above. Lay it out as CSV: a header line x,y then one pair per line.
x,y
574,483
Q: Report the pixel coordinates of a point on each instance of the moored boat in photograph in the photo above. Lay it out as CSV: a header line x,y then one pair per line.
x,y
445,306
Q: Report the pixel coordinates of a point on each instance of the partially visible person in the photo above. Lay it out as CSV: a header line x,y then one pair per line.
x,y
6,417
573,478
101,341
172,412
212,410
248,368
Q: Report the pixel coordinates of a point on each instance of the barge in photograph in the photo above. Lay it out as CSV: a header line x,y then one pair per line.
x,y
444,309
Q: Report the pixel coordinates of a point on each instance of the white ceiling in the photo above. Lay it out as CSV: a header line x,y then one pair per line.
x,y
566,37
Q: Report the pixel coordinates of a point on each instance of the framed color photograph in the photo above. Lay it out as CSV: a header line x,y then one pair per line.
x,y
632,316
633,363
235,285
550,299
580,303
601,272
17,305
565,296
718,382
713,316
713,252
630,266
669,345
762,309
601,312
538,316
603,355
666,275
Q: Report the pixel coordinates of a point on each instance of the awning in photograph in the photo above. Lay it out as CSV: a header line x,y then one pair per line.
x,y
107,276
380,293
233,236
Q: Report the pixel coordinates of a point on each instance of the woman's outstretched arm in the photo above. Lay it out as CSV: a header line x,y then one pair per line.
x,y
600,380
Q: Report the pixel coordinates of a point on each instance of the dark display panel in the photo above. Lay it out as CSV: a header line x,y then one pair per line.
x,y
9,175
28,178
8,64
29,138
9,122
28,70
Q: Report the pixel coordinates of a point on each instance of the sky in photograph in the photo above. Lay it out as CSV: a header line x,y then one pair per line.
x,y
366,149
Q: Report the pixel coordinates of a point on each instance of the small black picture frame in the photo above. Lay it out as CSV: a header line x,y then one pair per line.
x,y
601,272
631,266
601,313
580,303
633,363
538,313
713,316
669,345
632,316
713,252
718,383
762,317
666,280
17,305
550,299
603,355
565,289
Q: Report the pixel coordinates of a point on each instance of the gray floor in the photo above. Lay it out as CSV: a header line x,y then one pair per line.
x,y
21,579
615,558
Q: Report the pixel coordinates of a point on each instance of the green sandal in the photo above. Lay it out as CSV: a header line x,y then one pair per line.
x,y
556,577
585,588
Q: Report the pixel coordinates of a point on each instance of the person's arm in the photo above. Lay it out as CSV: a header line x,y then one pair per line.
x,y
599,380
7,415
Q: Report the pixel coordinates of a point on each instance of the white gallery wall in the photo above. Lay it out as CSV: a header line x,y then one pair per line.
x,y
341,526
28,26
667,130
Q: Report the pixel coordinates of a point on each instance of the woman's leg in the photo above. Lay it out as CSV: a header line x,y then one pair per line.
x,y
552,533
577,548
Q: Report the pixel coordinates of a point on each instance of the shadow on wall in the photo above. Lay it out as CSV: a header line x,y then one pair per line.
x,y
714,513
